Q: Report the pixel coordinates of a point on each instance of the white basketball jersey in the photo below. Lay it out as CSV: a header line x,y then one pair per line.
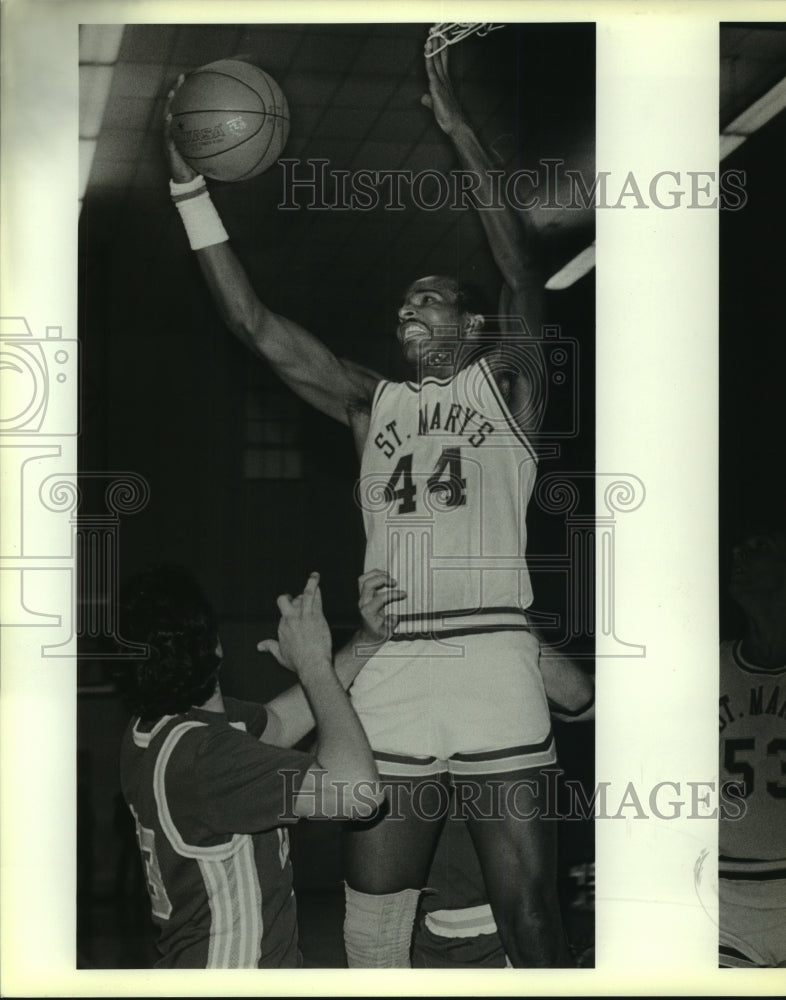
x,y
446,476
753,750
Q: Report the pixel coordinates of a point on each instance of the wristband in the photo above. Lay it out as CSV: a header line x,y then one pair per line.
x,y
201,220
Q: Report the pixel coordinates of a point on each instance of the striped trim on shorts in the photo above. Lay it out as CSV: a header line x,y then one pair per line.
x,y
502,763
451,624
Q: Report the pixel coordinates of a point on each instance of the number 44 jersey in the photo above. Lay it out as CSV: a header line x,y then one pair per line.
x,y
446,476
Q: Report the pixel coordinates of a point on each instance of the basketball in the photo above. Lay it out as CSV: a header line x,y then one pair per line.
x,y
230,120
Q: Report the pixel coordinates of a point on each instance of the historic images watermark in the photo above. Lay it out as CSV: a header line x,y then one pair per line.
x,y
530,427
38,426
547,796
313,185
55,520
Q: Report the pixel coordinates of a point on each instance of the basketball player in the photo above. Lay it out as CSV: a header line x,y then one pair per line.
x,y
752,847
209,781
456,927
456,693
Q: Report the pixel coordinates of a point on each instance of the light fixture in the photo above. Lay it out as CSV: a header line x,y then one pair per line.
x,y
94,84
576,268
752,119
732,136
99,47
99,43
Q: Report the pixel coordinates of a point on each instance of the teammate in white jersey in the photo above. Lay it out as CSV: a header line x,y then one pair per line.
x,y
752,847
447,469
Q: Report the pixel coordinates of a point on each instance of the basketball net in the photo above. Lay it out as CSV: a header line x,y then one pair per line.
x,y
450,33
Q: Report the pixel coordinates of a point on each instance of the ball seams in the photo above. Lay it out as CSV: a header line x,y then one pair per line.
x,y
198,129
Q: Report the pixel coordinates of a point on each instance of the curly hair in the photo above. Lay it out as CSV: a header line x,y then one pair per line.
x,y
165,609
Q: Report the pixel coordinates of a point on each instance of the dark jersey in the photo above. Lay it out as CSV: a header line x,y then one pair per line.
x,y
210,807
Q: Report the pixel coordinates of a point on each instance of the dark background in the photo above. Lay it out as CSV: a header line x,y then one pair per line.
x,y
752,425
168,394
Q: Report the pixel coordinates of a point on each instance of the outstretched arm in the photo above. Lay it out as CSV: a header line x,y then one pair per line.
x,y
513,243
302,361
512,239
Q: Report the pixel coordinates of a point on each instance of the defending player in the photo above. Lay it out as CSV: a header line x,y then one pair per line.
x,y
210,787
456,691
752,847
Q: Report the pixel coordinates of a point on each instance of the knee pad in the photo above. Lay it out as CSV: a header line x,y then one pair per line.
x,y
378,928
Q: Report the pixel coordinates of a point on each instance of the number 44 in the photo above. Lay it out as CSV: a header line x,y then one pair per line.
x,y
446,478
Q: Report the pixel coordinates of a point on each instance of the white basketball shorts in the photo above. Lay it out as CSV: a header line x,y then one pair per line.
x,y
468,705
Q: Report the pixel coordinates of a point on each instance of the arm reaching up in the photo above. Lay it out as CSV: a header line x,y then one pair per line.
x,y
302,361
344,782
511,238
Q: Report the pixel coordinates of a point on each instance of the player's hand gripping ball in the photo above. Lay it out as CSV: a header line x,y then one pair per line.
x,y
230,120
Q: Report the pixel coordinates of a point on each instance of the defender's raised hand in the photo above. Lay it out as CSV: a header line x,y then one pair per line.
x,y
303,635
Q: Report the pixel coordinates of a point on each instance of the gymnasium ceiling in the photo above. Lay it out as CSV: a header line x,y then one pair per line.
x,y
354,94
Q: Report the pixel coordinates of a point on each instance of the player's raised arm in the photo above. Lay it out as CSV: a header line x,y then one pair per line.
x,y
512,240
302,361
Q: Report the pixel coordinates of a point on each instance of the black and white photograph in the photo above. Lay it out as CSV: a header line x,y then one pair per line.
x,y
390,429
336,241
752,514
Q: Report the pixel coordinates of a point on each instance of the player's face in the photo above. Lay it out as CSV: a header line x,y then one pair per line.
x,y
430,311
759,565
